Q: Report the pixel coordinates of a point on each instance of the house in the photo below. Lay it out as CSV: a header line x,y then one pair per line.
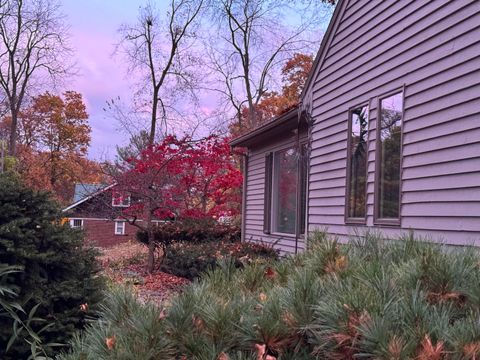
x,y
386,136
97,209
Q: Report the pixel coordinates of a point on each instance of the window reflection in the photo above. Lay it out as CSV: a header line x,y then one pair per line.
x,y
358,163
391,113
285,191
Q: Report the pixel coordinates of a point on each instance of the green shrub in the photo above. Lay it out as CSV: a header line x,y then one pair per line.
x,y
59,274
373,299
125,330
193,232
190,260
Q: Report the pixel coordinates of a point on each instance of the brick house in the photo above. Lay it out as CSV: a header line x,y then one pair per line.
x,y
94,209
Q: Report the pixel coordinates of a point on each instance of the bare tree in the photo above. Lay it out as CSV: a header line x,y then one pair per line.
x,y
257,36
34,47
158,50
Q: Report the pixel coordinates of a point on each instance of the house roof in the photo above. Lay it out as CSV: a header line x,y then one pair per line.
x,y
277,124
283,121
323,47
88,196
84,190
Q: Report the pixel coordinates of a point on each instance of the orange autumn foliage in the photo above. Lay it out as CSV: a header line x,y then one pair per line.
x,y
294,75
54,136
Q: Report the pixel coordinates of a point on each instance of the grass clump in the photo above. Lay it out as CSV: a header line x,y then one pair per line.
x,y
371,298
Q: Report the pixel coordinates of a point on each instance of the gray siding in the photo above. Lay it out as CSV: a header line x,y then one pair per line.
x,y
432,50
255,200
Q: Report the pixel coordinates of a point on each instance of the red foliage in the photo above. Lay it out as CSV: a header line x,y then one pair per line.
x,y
184,179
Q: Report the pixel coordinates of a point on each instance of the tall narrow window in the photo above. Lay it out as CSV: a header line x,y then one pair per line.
x,y
389,145
284,204
288,191
357,166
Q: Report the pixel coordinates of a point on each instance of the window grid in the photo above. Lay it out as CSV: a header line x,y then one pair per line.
x,y
76,223
120,199
119,227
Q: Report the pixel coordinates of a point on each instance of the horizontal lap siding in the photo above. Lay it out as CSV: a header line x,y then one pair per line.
x,y
255,201
433,49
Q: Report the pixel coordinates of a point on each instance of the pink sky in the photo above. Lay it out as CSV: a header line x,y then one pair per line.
x,y
102,76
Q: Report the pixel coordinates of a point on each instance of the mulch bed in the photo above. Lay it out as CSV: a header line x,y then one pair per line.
x,y
158,287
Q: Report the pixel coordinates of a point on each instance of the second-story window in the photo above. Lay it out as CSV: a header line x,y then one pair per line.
x,y
120,199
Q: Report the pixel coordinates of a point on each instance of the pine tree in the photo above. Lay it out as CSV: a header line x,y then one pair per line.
x,y
59,273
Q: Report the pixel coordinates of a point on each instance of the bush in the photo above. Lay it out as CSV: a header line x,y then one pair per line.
x,y
403,299
198,231
59,274
124,330
190,260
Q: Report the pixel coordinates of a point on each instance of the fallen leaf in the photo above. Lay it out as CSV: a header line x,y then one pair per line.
x,y
110,342
223,356
261,352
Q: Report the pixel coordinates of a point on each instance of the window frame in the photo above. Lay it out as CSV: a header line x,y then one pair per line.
x,y
304,152
120,205
376,219
123,227
72,221
348,219
271,207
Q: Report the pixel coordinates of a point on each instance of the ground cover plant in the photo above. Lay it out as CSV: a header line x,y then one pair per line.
x,y
371,299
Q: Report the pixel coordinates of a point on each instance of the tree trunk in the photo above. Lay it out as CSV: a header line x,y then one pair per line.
x,y
153,121
12,146
151,249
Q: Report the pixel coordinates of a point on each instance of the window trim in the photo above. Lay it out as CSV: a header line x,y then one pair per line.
x,y
303,151
120,205
356,220
267,195
71,222
376,219
123,227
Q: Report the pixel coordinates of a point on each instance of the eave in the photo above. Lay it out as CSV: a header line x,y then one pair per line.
x,y
276,126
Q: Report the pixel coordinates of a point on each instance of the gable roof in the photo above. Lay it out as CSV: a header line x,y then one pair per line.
x,y
89,196
339,8
84,190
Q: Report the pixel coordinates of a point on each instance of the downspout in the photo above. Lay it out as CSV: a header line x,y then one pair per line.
x,y
309,123
244,194
298,192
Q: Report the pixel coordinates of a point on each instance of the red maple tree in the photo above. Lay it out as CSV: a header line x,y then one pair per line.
x,y
180,179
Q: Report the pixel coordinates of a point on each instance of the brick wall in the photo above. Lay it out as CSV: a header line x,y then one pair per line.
x,y
102,233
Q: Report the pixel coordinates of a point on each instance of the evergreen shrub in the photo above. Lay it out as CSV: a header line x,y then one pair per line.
x,y
59,274
372,299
